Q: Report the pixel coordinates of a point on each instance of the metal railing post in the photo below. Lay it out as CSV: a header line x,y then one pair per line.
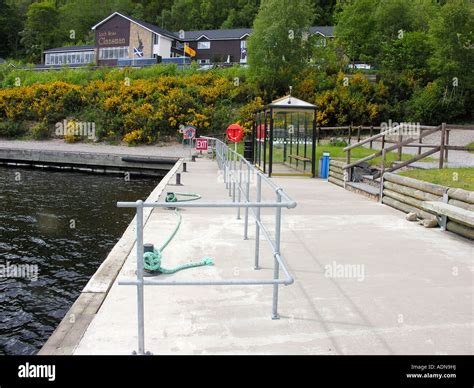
x,y
234,175
239,198
247,199
276,264
257,229
140,293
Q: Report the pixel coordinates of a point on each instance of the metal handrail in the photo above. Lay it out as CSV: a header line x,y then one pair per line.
x,y
232,164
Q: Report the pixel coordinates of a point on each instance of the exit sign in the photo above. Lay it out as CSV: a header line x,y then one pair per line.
x,y
202,144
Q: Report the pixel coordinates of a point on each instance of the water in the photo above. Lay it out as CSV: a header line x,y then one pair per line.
x,y
63,225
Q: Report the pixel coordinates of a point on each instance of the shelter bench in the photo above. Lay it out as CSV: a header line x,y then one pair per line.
x,y
299,158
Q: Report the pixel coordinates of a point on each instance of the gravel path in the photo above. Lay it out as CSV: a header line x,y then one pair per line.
x,y
170,150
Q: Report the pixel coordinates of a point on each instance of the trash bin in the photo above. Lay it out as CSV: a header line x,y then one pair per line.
x,y
325,165
248,150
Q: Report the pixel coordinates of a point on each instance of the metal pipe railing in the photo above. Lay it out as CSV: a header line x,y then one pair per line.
x,y
232,166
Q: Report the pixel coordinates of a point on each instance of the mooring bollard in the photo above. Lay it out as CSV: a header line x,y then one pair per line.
x,y
184,167
193,158
178,179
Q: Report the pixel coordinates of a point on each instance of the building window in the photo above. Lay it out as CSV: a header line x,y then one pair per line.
x,y
71,58
206,45
243,44
156,39
204,61
113,53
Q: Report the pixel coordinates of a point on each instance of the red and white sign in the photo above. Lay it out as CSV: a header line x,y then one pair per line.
x,y
202,144
235,133
189,132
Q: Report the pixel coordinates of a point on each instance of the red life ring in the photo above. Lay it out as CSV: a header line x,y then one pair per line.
x,y
235,133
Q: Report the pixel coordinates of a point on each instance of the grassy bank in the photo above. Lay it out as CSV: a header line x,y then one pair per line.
x,y
462,178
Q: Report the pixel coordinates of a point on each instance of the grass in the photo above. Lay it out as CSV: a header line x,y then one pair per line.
x,y
471,145
462,178
337,152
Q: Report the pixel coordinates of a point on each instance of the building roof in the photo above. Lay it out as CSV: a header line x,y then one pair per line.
x,y
327,31
148,26
236,33
289,103
69,49
239,33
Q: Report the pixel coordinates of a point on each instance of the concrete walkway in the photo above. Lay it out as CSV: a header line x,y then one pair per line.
x,y
412,292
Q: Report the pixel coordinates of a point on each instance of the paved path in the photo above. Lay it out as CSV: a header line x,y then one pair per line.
x,y
413,294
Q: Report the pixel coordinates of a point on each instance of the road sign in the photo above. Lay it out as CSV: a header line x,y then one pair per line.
x,y
189,132
202,144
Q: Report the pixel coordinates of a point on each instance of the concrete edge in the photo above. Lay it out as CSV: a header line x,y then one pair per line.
x,y
68,334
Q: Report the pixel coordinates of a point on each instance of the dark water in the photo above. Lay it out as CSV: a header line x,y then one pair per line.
x,y
37,216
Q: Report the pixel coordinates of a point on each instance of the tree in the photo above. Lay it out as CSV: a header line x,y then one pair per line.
x,y
277,47
41,29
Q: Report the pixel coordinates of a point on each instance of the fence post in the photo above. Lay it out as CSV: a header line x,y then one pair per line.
x,y
420,141
257,229
350,133
240,188
358,133
371,134
448,131
400,140
441,147
276,264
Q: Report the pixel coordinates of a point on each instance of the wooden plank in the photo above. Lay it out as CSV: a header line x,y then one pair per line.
x,y
70,331
416,184
462,195
462,230
414,159
457,214
414,193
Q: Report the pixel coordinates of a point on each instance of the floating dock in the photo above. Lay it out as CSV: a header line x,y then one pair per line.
x,y
366,281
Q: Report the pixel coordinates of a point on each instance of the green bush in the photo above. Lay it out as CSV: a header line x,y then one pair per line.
x,y
40,131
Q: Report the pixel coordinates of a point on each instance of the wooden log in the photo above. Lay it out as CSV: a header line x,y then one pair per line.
x,y
461,216
337,163
336,181
462,195
460,229
405,190
407,208
416,184
336,169
461,204
405,199
336,175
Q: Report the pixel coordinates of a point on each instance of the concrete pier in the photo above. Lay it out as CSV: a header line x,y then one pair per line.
x,y
366,282
96,162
